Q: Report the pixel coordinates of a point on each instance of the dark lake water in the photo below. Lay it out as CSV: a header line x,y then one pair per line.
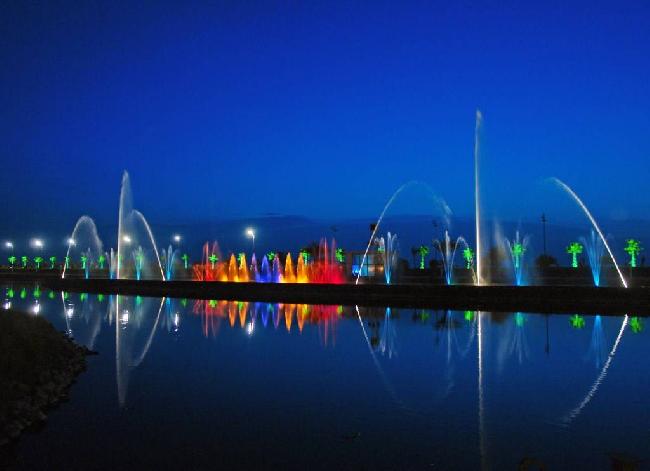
x,y
208,384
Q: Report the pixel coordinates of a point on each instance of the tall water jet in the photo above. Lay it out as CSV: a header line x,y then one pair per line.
x,y
477,207
389,251
595,251
517,249
126,229
584,208
112,264
84,237
448,253
302,275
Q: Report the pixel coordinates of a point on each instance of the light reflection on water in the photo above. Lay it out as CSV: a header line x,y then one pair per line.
x,y
489,389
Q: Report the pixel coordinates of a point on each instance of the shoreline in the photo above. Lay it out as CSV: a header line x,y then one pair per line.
x,y
40,365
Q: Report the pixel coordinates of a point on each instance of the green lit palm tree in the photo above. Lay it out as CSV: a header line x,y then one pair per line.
x,y
423,251
575,249
518,250
12,260
185,259
101,260
213,259
23,260
84,259
305,254
67,262
468,256
52,262
340,255
38,260
633,248
270,256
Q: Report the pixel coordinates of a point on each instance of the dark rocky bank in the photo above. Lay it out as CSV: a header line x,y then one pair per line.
x,y
37,367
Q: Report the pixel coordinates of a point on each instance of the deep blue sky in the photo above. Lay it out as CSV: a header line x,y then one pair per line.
x,y
242,108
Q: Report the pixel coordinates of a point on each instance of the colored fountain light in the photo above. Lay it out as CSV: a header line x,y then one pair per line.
x,y
633,247
388,248
574,249
516,249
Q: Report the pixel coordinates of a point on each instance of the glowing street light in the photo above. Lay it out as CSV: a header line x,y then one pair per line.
x,y
9,245
71,242
37,244
177,238
251,233
126,239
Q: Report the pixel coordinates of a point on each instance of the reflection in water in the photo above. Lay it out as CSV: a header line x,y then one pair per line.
x,y
408,382
597,349
594,388
514,342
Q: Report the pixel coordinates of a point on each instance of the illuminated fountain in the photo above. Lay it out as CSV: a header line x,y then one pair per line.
x,y
83,242
597,348
131,224
448,253
517,249
390,253
595,251
168,258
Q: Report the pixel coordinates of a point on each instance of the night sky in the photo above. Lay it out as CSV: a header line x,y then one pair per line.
x,y
321,109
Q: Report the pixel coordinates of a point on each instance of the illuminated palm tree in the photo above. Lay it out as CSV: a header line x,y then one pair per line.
x,y
633,248
12,260
38,260
468,256
101,260
305,254
84,259
340,255
423,251
213,259
185,259
270,256
575,249
23,260
52,262
67,262
518,250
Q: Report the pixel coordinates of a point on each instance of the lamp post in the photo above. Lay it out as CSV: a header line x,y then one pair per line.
x,y
251,233
177,238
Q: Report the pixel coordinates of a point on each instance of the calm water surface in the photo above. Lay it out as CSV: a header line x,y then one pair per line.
x,y
208,384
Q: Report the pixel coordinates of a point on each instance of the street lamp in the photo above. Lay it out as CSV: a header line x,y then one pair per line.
x,y
9,245
126,239
177,238
37,244
71,242
251,233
